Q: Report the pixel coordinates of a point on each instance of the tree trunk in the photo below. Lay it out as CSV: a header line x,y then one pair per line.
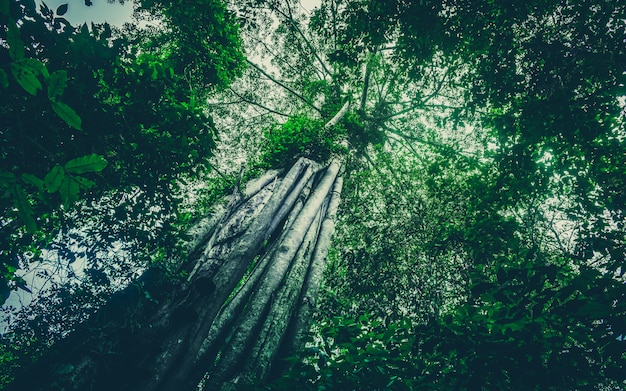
x,y
253,274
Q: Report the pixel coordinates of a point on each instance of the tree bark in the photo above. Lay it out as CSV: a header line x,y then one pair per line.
x,y
253,273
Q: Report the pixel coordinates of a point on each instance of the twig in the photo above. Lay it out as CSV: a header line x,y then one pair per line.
x,y
249,101
284,86
306,41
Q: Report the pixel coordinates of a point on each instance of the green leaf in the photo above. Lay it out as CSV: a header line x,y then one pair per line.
x,y
7,177
69,190
26,76
38,66
56,84
62,9
24,209
33,180
84,182
54,178
16,46
89,163
67,114
4,79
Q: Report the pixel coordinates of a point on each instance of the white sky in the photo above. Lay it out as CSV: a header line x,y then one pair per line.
x,y
100,12
310,4
115,14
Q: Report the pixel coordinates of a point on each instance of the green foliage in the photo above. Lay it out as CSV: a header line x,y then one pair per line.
x,y
361,352
61,180
512,341
363,132
300,136
27,72
514,315
98,129
360,27
492,261
203,36
86,111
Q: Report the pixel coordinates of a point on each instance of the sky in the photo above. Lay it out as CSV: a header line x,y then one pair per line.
x,y
101,11
115,14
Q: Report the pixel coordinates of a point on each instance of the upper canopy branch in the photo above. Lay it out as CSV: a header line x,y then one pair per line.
x,y
286,87
416,104
290,19
366,82
338,116
252,102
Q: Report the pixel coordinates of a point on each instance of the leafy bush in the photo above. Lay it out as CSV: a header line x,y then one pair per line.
x,y
299,136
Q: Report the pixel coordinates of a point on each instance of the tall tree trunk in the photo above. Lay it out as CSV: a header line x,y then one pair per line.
x,y
253,274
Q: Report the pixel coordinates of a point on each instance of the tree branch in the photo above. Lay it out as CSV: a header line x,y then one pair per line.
x,y
289,89
398,139
439,87
338,116
421,103
416,139
289,19
366,83
286,63
249,101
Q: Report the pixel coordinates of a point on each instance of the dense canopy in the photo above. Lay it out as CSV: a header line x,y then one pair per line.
x,y
480,240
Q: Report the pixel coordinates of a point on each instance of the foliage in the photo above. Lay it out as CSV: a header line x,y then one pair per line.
x,y
298,136
363,352
516,314
202,38
481,237
110,98
100,128
390,242
504,251
362,132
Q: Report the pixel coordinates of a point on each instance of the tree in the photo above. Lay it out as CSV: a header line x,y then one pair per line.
x,y
186,330
504,247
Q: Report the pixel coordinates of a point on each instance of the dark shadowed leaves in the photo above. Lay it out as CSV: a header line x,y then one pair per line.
x,y
57,84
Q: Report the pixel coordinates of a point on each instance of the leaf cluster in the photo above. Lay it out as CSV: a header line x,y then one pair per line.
x,y
299,136
99,130
117,105
203,35
362,352
362,132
